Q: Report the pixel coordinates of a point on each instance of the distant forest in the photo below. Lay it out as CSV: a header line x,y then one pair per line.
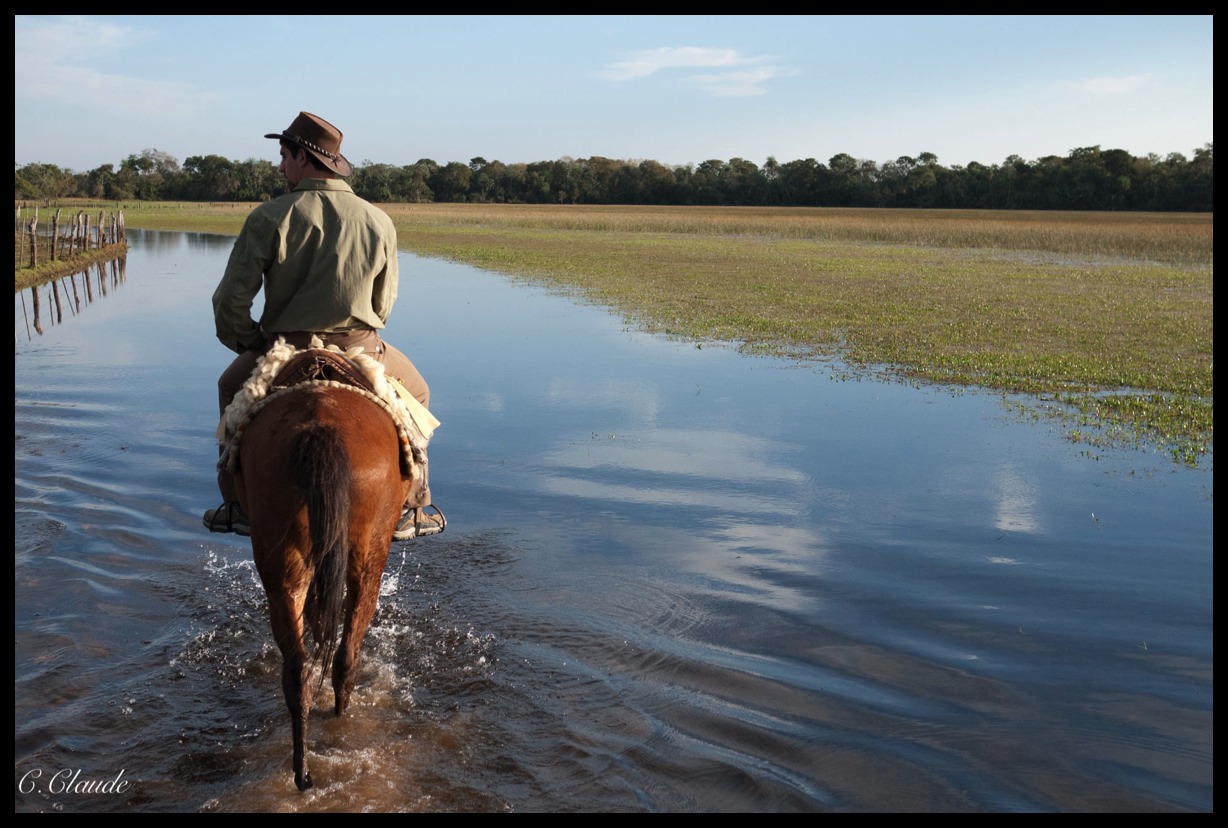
x,y
1089,178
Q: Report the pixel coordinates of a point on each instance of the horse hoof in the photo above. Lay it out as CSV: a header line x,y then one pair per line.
x,y
303,781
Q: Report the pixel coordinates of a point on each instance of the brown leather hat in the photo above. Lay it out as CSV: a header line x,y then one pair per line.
x,y
318,137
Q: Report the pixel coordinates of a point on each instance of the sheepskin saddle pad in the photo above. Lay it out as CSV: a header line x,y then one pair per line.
x,y
284,368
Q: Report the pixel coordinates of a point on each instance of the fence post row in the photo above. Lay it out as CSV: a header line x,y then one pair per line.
x,y
76,231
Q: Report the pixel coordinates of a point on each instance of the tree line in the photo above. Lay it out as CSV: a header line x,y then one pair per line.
x,y
1088,178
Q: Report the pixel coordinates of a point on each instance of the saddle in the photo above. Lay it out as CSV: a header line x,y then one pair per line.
x,y
319,365
283,368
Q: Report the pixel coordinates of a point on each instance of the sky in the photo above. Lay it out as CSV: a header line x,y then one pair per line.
x,y
678,89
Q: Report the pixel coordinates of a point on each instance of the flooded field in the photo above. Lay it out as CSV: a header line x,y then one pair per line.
x,y
675,578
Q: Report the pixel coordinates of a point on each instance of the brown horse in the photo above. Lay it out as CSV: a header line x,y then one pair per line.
x,y
321,482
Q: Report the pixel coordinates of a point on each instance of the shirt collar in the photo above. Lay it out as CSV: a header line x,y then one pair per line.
x,y
324,184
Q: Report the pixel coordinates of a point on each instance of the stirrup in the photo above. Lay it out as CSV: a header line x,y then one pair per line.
x,y
418,523
227,518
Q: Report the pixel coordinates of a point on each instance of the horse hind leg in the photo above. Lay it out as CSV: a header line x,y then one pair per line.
x,y
296,684
368,557
360,609
285,613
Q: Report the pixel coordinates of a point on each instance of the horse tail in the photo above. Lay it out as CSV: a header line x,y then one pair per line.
x,y
322,470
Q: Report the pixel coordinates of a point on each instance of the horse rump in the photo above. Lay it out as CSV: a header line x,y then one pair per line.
x,y
321,481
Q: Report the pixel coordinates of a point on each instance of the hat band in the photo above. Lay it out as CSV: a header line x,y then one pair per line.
x,y
315,147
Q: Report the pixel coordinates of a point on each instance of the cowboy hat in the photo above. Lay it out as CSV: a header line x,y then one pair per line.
x,y
318,137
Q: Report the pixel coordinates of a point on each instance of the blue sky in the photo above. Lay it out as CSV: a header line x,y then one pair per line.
x,y
92,90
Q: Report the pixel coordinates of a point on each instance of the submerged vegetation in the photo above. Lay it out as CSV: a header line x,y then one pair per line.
x,y
1105,317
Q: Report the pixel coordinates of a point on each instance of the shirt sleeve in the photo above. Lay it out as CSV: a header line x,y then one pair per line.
x,y
232,301
384,291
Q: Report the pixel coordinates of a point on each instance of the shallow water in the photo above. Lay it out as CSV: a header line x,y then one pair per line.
x,y
675,578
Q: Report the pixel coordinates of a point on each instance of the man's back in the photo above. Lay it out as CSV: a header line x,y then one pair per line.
x,y
325,258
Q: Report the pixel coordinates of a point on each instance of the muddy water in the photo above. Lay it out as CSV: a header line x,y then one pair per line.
x,y
674,579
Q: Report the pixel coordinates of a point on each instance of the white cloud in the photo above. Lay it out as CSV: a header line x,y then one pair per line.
x,y
650,61
38,41
52,65
746,76
1111,86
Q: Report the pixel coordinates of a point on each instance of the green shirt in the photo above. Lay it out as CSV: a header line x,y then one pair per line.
x,y
327,261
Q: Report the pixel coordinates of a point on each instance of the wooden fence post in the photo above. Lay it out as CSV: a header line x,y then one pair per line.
x,y
34,239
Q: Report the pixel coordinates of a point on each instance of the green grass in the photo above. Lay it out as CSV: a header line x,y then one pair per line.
x,y
1106,318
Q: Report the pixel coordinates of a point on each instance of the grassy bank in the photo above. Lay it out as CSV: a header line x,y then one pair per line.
x,y
47,269
1104,316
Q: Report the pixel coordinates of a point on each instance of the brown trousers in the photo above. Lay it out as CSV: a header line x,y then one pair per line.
x,y
395,363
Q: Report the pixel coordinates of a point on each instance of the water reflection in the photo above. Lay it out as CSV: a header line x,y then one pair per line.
x,y
73,292
159,245
722,472
1016,511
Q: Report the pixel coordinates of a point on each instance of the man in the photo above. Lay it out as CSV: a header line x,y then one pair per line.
x,y
327,261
